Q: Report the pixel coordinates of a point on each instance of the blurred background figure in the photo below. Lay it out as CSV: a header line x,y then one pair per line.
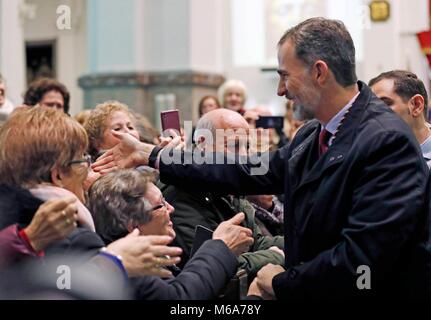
x,y
47,92
295,117
6,106
276,138
147,132
207,104
233,94
82,117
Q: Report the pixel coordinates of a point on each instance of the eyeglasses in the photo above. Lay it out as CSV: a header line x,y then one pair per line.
x,y
86,159
163,204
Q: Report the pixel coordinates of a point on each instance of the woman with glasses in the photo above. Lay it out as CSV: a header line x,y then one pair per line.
x,y
43,158
127,199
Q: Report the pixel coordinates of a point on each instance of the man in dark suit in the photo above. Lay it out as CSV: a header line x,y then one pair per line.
x,y
355,182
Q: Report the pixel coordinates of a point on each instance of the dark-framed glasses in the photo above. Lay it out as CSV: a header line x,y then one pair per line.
x,y
86,159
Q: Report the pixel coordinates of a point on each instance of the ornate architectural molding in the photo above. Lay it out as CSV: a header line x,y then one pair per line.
x,y
147,79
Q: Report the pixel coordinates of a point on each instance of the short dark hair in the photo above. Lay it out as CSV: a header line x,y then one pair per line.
x,y
327,40
117,199
406,85
38,88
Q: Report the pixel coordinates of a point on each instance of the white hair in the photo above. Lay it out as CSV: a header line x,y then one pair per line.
x,y
232,83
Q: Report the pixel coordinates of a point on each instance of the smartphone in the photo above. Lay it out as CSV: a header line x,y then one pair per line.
x,y
266,122
171,120
202,234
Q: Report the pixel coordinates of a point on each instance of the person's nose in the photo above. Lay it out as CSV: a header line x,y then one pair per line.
x,y
171,209
281,90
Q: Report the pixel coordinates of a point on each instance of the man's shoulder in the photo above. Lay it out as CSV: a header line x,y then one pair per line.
x,y
379,119
305,131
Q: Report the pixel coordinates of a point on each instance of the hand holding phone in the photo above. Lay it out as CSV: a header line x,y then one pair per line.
x,y
171,120
202,234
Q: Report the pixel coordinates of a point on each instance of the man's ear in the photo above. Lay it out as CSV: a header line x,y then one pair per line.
x,y
417,105
56,177
321,72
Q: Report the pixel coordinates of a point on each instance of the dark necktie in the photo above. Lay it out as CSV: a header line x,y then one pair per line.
x,y
324,137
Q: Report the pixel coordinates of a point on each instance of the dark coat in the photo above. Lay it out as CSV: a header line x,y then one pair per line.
x,y
209,210
364,202
202,278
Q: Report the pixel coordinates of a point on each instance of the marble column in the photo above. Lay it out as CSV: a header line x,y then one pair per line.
x,y
153,55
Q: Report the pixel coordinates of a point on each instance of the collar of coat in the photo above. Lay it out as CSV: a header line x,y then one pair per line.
x,y
306,149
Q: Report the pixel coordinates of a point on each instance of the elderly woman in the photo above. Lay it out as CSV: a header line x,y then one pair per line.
x,y
108,116
127,199
42,159
232,95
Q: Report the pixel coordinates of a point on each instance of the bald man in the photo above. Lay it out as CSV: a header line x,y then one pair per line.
x,y
210,209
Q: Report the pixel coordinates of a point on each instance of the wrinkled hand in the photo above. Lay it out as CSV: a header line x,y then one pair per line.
x,y
53,221
237,238
277,249
265,276
128,153
146,255
255,290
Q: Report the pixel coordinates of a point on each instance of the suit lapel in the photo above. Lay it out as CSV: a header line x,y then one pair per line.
x,y
315,166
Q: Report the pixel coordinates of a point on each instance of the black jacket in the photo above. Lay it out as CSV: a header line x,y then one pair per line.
x,y
364,202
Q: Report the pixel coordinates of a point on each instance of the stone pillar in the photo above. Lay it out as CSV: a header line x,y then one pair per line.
x,y
155,49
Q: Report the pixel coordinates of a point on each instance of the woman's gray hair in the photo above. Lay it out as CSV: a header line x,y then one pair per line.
x,y
117,201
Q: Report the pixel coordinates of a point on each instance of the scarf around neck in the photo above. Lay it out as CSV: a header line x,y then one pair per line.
x,y
46,193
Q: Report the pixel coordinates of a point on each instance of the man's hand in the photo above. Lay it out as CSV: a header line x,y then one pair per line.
x,y
265,276
255,290
145,255
128,153
237,238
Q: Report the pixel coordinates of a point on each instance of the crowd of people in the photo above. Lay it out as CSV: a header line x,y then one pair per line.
x,y
346,186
